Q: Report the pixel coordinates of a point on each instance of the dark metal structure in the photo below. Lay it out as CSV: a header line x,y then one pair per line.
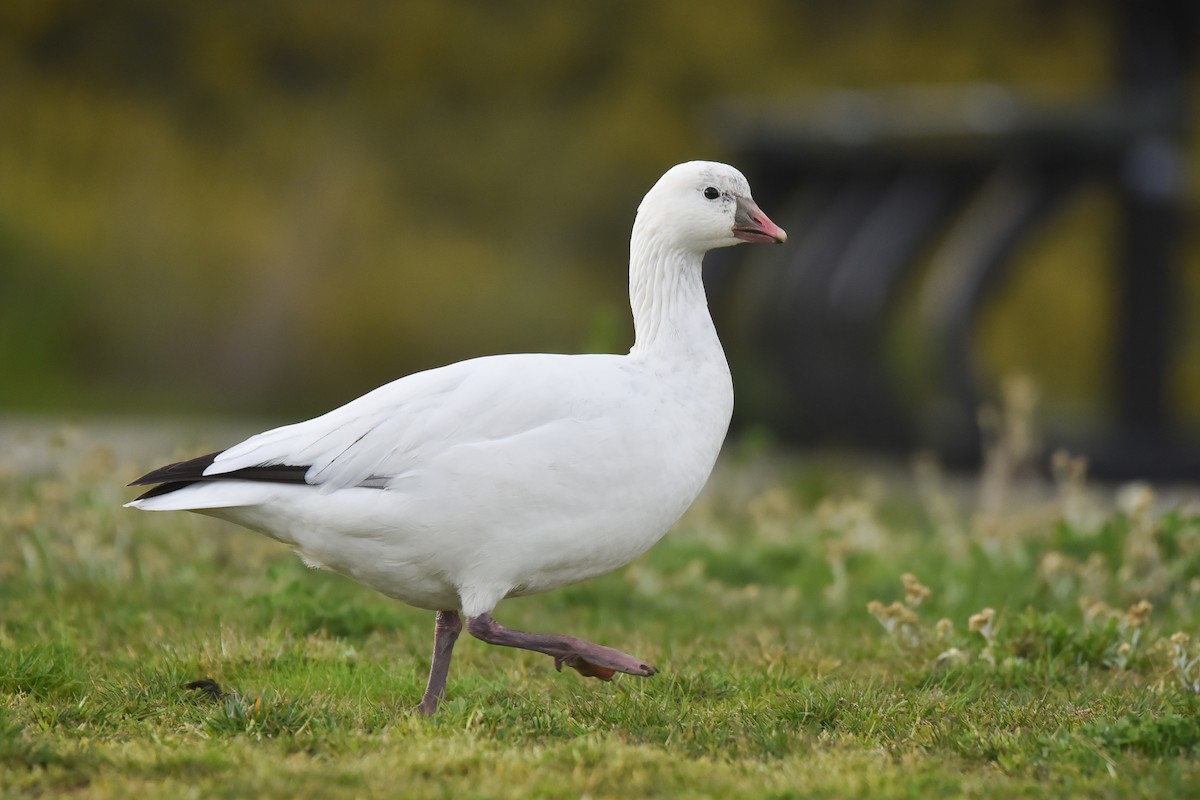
x,y
872,184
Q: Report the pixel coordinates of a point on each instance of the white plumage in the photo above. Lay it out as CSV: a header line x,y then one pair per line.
x,y
506,475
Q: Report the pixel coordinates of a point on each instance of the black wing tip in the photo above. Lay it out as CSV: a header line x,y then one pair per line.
x,y
180,471
184,473
162,488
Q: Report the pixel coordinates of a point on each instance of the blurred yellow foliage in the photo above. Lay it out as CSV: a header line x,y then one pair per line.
x,y
274,206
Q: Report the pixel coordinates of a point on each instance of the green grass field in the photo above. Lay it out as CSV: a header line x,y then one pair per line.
x,y
796,660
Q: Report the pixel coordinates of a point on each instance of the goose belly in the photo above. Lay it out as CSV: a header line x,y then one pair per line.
x,y
355,532
512,532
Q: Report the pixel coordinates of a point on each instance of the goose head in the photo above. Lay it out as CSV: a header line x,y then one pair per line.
x,y
702,205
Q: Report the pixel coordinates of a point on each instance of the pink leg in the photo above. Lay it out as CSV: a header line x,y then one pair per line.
x,y
591,660
445,634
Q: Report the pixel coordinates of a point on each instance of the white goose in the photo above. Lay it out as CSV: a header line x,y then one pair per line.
x,y
457,487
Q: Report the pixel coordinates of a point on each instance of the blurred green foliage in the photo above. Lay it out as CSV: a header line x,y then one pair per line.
x,y
274,206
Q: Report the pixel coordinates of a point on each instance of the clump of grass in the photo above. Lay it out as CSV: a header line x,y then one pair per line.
x,y
268,716
20,751
1185,662
41,670
1102,638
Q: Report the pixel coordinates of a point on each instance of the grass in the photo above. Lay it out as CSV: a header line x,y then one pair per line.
x,y
821,631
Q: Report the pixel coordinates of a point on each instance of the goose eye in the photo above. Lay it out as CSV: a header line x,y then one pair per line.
x,y
711,193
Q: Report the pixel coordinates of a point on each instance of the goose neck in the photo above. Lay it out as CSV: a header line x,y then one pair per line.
x,y
666,293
